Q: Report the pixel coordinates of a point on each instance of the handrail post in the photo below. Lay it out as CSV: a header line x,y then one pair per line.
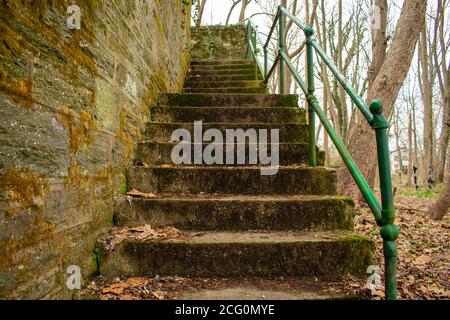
x,y
281,45
389,231
309,32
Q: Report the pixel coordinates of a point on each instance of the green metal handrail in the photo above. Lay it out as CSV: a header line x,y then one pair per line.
x,y
385,213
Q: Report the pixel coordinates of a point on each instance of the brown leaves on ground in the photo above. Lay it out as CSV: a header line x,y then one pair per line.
x,y
143,288
423,249
170,288
142,233
119,288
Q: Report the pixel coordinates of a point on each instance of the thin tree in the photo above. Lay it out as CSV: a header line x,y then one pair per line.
x,y
427,96
200,10
235,3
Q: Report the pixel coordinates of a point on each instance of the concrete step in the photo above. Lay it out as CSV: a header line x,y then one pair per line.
x,y
232,180
221,62
249,65
300,288
221,72
288,132
242,254
200,83
228,100
208,78
156,153
226,90
233,213
249,288
228,115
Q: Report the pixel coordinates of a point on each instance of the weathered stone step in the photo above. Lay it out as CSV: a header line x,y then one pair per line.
x,y
298,288
157,153
243,254
233,213
207,78
226,72
232,180
221,62
228,100
228,115
288,132
200,83
225,66
226,90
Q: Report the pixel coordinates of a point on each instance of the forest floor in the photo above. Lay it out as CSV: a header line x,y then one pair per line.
x,y
423,263
423,248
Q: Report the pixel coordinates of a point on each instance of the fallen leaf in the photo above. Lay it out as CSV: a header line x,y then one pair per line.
x,y
117,288
158,295
422,260
137,282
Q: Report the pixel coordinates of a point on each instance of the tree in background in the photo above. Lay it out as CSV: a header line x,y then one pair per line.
x,y
440,208
199,8
386,86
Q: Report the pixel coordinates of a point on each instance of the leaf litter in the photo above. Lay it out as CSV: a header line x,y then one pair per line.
x,y
143,233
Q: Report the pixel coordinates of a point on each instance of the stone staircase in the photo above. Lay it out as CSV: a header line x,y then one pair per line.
x,y
291,224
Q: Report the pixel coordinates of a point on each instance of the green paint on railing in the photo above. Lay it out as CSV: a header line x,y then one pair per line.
x,y
385,213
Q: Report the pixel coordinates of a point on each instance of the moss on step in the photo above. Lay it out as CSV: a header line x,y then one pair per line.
x,y
238,213
229,72
226,90
233,180
292,133
235,115
243,255
154,153
237,100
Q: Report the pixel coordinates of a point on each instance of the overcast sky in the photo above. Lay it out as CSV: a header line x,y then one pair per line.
x,y
216,12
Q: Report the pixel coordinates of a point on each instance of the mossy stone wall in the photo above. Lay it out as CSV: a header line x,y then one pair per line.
x,y
73,104
218,42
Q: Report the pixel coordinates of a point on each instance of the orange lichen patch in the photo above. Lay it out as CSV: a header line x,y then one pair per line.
x,y
75,178
74,52
20,91
126,134
24,189
39,230
34,33
79,126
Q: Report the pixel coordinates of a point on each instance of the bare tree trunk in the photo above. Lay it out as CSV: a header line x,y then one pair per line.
x,y
201,9
443,74
379,41
440,208
410,150
245,3
427,103
341,90
445,136
283,3
325,89
386,87
414,127
235,3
